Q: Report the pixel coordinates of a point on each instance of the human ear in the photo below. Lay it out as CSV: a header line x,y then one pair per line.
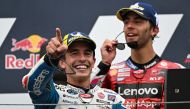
x,y
155,31
62,63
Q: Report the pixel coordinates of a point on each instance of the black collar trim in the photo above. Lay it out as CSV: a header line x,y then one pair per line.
x,y
149,64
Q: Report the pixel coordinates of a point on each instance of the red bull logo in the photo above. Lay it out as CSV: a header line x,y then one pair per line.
x,y
13,62
33,44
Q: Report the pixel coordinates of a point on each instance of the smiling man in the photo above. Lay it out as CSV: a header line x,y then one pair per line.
x,y
139,78
75,54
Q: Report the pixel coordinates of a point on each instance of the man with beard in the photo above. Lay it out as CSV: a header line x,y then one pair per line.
x,y
75,54
139,78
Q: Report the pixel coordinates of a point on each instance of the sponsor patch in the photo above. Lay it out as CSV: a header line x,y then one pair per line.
x,y
102,101
86,98
101,95
111,97
120,79
144,90
38,82
72,92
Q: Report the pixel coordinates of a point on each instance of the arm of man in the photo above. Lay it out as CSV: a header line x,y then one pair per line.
x,y
39,83
108,52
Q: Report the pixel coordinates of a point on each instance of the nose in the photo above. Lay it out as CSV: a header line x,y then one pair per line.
x,y
129,25
82,58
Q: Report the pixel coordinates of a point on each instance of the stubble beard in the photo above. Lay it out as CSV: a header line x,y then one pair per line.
x,y
133,45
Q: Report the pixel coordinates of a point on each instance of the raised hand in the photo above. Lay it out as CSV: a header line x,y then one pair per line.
x,y
55,47
108,51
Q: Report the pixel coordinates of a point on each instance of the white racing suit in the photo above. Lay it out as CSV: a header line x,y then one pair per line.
x,y
42,90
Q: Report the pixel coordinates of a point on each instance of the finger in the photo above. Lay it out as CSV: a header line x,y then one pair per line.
x,y
55,42
114,42
49,51
62,49
58,34
52,45
109,45
52,52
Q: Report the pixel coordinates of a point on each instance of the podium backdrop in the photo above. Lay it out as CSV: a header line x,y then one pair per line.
x,y
26,24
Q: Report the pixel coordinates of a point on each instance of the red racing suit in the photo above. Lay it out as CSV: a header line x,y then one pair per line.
x,y
142,85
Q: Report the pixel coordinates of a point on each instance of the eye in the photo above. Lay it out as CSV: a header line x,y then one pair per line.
x,y
140,20
73,52
88,53
137,20
126,21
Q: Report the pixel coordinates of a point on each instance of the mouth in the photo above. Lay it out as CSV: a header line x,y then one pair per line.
x,y
131,35
81,67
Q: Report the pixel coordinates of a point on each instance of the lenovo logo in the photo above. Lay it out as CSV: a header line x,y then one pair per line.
x,y
140,91
145,90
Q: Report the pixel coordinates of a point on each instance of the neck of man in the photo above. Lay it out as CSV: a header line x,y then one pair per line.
x,y
142,55
81,82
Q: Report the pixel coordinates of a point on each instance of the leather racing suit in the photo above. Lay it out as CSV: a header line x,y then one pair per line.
x,y
42,90
142,85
